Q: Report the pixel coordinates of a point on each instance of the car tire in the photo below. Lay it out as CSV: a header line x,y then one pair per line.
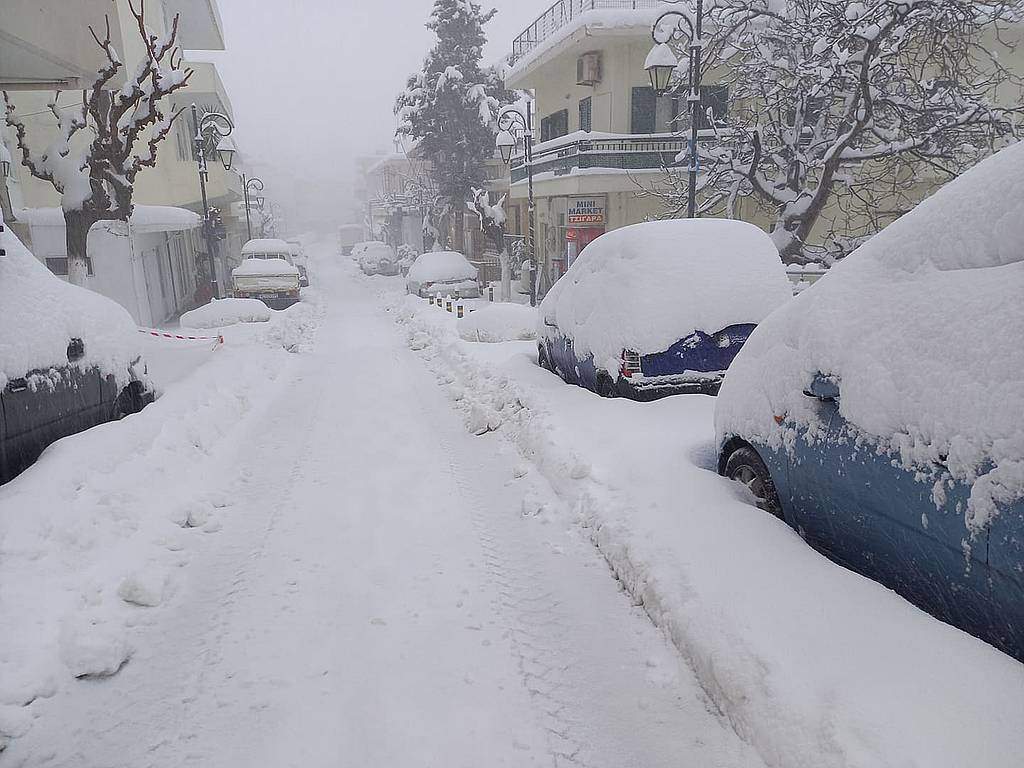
x,y
746,466
128,401
542,359
606,387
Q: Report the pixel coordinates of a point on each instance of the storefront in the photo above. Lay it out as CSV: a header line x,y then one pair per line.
x,y
585,221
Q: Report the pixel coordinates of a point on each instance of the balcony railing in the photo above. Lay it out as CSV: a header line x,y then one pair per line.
x,y
624,153
562,13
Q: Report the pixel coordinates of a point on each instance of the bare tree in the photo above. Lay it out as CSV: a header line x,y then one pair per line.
x,y
96,179
492,224
845,113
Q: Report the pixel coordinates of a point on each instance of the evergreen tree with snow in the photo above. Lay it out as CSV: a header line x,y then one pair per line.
x,y
450,108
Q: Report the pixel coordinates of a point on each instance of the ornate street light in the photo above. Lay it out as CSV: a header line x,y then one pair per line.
x,y
226,153
211,130
513,125
5,161
256,185
661,63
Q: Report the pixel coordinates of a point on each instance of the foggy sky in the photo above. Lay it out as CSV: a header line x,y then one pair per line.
x,y
312,83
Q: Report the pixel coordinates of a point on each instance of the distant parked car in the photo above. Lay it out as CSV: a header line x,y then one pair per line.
x,y
267,273
660,308
349,235
881,413
69,359
442,273
376,258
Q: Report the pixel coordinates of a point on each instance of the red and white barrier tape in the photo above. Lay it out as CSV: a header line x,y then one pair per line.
x,y
164,335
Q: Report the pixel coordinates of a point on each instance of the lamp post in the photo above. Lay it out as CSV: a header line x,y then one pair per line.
x,y
661,63
211,130
513,125
251,182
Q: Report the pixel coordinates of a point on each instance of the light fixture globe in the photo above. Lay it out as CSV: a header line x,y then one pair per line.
x,y
226,153
505,142
5,161
660,63
259,201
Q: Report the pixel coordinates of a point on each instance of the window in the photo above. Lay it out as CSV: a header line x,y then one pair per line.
x,y
655,114
585,112
714,106
59,264
554,125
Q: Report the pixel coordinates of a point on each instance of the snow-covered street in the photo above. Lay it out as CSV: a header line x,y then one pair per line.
x,y
377,593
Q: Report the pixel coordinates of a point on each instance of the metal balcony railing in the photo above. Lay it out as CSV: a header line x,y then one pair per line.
x,y
562,13
625,153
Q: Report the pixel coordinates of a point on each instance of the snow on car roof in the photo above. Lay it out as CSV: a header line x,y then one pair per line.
x,y
40,314
922,326
252,267
645,286
266,245
438,266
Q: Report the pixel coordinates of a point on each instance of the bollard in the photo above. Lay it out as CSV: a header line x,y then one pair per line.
x,y
430,300
460,311
490,293
448,305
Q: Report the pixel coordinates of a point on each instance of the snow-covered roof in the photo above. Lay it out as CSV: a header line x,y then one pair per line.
x,y
262,267
40,314
266,245
144,218
922,327
646,286
441,266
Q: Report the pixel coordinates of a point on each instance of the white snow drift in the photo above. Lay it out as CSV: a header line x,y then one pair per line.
x,y
503,321
645,286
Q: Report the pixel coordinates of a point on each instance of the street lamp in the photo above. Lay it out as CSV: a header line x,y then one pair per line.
x,y
255,184
211,130
260,199
512,125
226,152
661,63
5,161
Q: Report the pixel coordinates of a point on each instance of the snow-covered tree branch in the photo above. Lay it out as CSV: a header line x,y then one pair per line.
x,y
95,175
492,223
840,108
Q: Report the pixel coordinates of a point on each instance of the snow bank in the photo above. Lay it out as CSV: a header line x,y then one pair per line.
x,y
499,322
221,312
40,314
811,664
922,325
645,286
259,267
439,266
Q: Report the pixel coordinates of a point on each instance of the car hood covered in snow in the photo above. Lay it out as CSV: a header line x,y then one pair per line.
x,y
646,286
40,314
441,266
922,328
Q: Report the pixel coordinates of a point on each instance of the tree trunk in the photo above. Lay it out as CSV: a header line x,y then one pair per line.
x,y
506,275
77,224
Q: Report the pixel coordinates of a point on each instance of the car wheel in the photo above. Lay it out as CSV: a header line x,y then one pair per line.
x,y
606,387
746,467
542,358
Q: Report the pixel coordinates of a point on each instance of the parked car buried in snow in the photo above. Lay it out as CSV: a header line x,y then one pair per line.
x,y
881,413
442,273
70,359
376,258
267,273
660,308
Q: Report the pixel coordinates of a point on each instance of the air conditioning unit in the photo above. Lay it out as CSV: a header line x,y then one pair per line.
x,y
588,68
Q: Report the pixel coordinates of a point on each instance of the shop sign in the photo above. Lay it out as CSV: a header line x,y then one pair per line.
x,y
586,211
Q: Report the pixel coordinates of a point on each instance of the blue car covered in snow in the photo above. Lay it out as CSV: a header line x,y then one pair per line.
x,y
660,308
881,413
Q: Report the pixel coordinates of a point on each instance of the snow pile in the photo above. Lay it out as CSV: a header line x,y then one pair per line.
x,y
646,286
441,266
499,322
922,326
261,267
221,312
40,314
811,664
266,245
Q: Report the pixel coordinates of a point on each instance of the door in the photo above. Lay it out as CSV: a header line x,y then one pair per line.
x,y
856,502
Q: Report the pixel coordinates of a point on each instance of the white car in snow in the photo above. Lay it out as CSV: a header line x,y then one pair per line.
x,y
442,273
376,258
267,273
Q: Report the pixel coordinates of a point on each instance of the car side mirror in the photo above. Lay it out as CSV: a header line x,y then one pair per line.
x,y
823,387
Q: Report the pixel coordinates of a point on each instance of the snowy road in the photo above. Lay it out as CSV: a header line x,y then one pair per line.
x,y
386,590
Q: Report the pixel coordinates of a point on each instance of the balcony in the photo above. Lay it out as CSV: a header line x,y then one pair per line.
x,y
620,153
563,13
